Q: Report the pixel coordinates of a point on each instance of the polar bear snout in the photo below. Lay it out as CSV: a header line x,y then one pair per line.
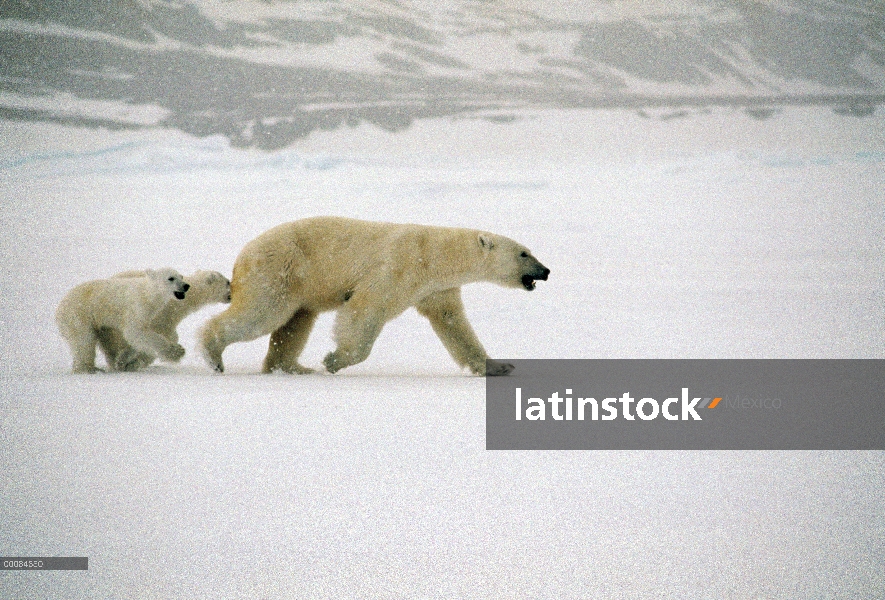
x,y
540,273
179,293
168,278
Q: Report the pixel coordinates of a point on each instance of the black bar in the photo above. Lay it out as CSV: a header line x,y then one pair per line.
x,y
44,563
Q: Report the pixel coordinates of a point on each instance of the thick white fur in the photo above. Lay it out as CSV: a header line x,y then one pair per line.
x,y
126,304
370,273
206,287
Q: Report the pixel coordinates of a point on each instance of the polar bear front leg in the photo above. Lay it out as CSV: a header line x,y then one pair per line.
x,y
119,355
445,311
151,342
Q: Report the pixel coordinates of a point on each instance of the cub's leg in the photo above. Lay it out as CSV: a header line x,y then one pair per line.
x,y
119,355
81,339
445,311
287,342
111,343
147,341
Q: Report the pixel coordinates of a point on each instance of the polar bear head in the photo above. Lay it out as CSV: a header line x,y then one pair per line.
x,y
210,286
509,263
169,279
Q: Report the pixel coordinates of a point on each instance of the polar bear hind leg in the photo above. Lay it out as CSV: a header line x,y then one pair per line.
x,y
287,343
357,326
244,321
82,341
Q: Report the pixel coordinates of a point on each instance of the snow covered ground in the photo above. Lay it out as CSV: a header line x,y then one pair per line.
x,y
711,236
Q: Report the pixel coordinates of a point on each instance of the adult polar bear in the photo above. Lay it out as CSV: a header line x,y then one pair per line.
x,y
370,272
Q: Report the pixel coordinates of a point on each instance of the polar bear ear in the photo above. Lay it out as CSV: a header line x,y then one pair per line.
x,y
485,241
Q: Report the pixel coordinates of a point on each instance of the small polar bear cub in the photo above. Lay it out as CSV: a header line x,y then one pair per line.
x,y
126,304
206,287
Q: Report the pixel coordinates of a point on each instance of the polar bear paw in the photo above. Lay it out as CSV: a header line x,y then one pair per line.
x,y
174,354
130,360
495,368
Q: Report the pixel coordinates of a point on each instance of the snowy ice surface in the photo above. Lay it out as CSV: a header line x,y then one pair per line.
x,y
714,236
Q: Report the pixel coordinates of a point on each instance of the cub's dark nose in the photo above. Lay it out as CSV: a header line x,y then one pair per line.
x,y
544,274
187,287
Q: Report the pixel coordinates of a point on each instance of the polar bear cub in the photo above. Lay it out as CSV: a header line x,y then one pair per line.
x,y
369,273
206,287
126,304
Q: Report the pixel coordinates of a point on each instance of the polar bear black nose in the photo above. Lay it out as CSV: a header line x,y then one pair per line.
x,y
186,287
544,274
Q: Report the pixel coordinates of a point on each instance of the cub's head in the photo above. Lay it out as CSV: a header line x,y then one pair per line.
x,y
171,280
211,286
510,264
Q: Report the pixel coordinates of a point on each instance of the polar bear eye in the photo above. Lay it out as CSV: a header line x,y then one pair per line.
x,y
523,255
171,279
